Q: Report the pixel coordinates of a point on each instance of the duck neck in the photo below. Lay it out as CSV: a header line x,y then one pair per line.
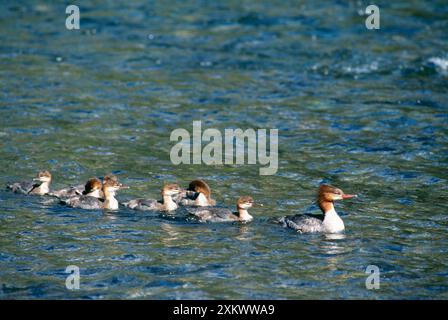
x,y
201,200
110,202
168,203
44,188
94,193
243,215
332,221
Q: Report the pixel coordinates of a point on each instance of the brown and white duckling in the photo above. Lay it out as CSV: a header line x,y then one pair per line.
x,y
87,199
38,186
215,214
92,197
166,204
198,194
110,187
94,188
330,222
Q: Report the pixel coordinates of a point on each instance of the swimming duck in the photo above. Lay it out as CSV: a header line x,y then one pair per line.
x,y
92,195
216,214
198,194
166,204
38,186
329,222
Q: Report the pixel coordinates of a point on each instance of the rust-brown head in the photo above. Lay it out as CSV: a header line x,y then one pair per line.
x,y
328,194
170,189
245,202
200,186
93,184
43,176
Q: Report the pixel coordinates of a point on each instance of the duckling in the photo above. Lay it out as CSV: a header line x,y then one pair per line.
x,y
38,186
198,194
216,214
91,198
167,203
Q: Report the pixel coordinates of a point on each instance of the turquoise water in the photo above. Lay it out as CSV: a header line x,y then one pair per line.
x,y
363,110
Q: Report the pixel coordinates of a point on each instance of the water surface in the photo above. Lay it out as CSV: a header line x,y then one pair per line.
x,y
363,110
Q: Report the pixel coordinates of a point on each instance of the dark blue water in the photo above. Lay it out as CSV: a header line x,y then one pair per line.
x,y
365,110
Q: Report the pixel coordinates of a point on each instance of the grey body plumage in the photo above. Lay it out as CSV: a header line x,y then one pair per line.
x,y
84,202
24,187
302,223
212,214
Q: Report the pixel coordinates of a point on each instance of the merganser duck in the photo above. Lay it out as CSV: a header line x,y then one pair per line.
x,y
215,214
38,186
166,204
94,188
87,199
92,197
198,194
68,192
82,189
330,222
110,187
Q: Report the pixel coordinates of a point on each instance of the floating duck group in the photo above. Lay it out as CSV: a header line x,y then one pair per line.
x,y
196,199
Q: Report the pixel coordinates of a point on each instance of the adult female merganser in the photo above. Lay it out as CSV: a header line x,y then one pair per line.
x,y
91,198
39,186
216,214
198,194
167,203
330,222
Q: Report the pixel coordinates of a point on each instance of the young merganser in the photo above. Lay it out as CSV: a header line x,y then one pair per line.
x,y
82,189
68,192
92,197
94,188
215,214
167,203
198,194
330,222
39,186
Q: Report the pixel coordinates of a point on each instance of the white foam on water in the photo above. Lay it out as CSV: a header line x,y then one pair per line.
x,y
367,68
440,62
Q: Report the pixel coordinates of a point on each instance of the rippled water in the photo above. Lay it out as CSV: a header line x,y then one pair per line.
x,y
363,110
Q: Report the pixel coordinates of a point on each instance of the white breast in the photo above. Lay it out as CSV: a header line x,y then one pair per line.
x,y
332,222
201,200
111,204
